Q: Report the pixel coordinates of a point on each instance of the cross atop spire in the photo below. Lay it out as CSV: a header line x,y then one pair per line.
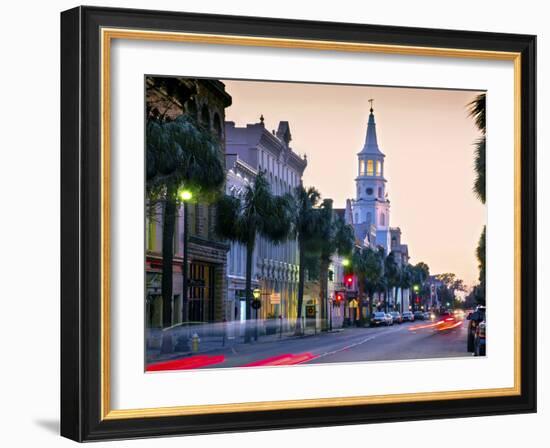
x,y
371,101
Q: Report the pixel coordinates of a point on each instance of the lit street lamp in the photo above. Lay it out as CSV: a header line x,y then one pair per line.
x,y
185,196
256,293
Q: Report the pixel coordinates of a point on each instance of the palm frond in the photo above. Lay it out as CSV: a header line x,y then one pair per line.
x,y
476,109
479,168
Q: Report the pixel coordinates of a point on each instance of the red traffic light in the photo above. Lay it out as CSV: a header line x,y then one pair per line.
x,y
348,279
339,297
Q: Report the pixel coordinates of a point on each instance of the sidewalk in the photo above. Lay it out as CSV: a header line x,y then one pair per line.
x,y
222,341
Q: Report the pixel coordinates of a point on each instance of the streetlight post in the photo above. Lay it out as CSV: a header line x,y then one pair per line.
x,y
256,293
185,196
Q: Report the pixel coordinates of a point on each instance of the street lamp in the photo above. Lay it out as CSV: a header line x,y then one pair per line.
x,y
185,196
256,293
346,262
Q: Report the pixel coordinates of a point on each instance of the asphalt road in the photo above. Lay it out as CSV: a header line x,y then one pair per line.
x,y
416,340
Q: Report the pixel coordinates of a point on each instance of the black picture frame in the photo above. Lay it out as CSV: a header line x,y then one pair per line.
x,y
81,224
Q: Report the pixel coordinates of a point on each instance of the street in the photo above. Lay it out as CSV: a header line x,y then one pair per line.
x,y
414,340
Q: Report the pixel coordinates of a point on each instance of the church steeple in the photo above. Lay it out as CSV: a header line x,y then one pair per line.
x,y
371,142
371,207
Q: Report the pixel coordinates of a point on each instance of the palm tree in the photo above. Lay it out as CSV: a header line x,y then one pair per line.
x,y
480,254
336,237
306,228
180,155
405,281
256,213
391,274
477,112
368,268
420,273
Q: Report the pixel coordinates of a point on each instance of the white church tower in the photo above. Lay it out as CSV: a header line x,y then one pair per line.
x,y
371,207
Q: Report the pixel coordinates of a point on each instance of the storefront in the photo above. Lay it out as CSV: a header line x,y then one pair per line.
x,y
201,292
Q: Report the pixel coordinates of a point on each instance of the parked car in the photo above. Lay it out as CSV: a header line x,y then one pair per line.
x,y
379,318
408,316
389,318
397,318
475,319
418,315
427,316
479,339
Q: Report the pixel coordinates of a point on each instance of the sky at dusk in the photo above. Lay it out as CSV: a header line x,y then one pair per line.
x,y
427,138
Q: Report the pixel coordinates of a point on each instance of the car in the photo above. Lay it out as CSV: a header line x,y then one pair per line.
x,y
459,314
446,321
379,318
397,318
419,315
474,318
408,316
389,318
427,316
479,339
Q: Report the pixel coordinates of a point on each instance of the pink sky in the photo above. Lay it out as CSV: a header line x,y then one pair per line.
x,y
426,135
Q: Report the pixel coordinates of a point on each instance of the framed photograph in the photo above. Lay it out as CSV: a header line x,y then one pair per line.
x,y
273,223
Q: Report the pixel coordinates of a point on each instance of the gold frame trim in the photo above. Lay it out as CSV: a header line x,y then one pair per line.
x,y
107,35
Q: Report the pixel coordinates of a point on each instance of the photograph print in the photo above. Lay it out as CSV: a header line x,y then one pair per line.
x,y
293,223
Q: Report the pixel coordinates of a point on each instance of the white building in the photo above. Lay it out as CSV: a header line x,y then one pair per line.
x,y
239,176
369,212
371,206
275,265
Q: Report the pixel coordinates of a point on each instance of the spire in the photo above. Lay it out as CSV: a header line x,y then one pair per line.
x,y
371,142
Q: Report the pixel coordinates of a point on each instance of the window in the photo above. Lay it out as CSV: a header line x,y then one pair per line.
x,y
356,218
369,217
378,168
191,108
382,219
361,168
379,192
370,168
151,234
217,125
369,191
205,117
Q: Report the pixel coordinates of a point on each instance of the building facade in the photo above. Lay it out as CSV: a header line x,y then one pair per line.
x,y
240,175
371,206
400,299
275,265
205,101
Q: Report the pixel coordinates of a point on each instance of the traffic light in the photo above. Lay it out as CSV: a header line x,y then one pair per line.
x,y
348,280
339,297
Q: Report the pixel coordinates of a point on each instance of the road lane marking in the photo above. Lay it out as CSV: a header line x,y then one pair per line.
x,y
355,344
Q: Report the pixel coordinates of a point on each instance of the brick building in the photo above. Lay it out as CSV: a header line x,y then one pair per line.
x,y
206,101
